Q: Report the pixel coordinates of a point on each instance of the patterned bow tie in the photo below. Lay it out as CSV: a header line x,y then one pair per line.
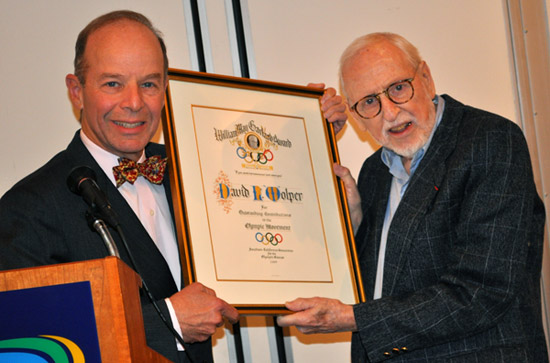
x,y
128,170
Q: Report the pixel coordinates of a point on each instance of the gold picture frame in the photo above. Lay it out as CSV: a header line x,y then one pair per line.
x,y
260,216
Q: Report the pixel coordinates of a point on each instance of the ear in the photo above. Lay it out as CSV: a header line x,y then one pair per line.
x,y
75,91
426,75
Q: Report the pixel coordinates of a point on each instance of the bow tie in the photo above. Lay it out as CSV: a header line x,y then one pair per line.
x,y
128,170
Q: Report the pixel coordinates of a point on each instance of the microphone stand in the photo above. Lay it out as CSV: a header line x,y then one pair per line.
x,y
100,227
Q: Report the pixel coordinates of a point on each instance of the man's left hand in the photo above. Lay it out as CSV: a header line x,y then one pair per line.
x,y
319,315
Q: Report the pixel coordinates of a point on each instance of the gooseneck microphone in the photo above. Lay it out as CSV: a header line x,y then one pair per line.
x,y
82,181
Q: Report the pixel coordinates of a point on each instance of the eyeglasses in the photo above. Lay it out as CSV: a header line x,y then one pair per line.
x,y
399,92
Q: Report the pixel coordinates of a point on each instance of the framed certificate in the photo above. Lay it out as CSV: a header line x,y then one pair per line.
x,y
260,216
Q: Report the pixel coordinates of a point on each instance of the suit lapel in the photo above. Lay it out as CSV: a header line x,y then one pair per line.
x,y
375,185
419,197
380,204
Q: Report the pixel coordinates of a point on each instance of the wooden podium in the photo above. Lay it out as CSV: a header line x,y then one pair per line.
x,y
115,294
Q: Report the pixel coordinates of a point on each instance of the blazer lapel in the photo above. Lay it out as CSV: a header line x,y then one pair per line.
x,y
378,181
381,204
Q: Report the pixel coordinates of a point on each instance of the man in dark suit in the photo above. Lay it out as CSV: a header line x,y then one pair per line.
x,y
449,226
118,88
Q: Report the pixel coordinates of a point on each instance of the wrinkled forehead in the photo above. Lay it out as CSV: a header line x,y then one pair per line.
x,y
123,43
379,55
122,31
373,69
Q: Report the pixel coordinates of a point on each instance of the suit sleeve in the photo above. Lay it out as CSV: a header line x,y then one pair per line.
x,y
472,255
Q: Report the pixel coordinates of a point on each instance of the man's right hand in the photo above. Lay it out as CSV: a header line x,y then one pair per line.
x,y
200,312
333,107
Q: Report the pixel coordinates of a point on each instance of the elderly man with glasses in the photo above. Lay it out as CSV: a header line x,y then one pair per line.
x,y
449,225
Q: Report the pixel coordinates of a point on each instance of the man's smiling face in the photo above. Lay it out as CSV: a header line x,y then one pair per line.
x,y
123,94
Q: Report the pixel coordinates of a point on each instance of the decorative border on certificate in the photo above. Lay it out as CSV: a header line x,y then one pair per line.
x,y
260,216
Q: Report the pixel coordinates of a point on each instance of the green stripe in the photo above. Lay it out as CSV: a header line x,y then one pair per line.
x,y
51,348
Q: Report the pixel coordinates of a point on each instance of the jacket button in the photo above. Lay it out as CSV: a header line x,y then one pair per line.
x,y
404,349
396,350
387,354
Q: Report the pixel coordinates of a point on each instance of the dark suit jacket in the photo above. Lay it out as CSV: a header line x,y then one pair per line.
x,y
43,223
464,250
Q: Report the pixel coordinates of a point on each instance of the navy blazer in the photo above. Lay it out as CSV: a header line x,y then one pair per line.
x,y
464,250
42,222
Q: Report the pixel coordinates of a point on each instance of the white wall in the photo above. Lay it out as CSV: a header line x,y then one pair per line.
x,y
464,42
37,49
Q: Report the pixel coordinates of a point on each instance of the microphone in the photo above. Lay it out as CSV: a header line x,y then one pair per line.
x,y
82,181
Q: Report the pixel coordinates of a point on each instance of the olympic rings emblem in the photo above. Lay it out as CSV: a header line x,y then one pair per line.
x,y
268,238
254,156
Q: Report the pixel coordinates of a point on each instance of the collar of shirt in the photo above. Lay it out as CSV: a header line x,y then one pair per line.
x,y
393,161
105,159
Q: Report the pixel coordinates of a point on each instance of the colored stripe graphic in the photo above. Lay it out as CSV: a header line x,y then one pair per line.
x,y
33,350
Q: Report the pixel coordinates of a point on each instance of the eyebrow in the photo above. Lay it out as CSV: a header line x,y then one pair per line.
x,y
154,75
118,75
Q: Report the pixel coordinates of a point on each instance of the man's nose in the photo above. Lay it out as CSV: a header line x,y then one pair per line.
x,y
390,110
133,98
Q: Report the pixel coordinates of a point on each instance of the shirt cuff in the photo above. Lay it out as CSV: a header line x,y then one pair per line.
x,y
175,323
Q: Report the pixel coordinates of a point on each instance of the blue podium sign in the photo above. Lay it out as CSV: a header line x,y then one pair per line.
x,y
49,324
